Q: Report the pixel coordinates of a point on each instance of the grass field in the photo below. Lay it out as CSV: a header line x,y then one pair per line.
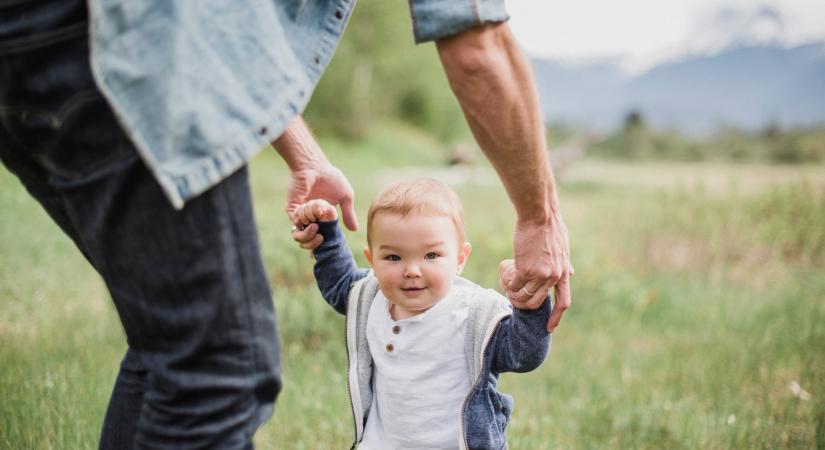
x,y
698,318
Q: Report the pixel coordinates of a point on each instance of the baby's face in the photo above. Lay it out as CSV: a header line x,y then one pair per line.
x,y
415,258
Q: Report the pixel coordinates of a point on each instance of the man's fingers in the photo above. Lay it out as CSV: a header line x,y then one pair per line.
x,y
348,213
524,300
563,299
528,296
517,282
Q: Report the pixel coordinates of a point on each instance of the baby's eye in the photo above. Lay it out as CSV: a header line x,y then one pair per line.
x,y
392,258
431,255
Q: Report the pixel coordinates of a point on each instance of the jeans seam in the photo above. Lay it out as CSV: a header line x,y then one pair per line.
x,y
81,98
250,427
7,3
122,154
18,45
57,118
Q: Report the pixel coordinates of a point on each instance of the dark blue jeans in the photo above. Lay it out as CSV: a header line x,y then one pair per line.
x,y
202,365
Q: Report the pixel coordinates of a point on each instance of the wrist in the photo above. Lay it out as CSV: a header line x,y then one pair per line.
x,y
299,149
541,213
306,160
536,217
330,231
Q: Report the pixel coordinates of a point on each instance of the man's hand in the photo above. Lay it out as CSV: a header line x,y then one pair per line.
x,y
313,177
542,261
325,182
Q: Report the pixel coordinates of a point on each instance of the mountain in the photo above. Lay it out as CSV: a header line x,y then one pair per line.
x,y
746,86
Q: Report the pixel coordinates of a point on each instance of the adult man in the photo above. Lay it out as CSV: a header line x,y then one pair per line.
x,y
131,123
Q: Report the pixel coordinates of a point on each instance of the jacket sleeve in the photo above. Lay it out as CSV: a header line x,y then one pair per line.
x,y
335,269
522,341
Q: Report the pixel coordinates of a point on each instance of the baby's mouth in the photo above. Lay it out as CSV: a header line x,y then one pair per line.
x,y
413,291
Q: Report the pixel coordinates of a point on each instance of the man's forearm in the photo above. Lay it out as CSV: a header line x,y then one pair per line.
x,y
298,147
494,85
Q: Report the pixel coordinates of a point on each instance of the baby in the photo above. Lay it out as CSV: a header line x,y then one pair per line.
x,y
425,346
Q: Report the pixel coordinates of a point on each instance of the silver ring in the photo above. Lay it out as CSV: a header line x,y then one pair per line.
x,y
524,288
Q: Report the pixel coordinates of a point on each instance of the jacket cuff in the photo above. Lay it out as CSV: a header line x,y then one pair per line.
x,y
540,313
330,231
436,19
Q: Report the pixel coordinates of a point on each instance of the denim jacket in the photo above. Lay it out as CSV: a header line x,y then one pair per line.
x,y
499,339
201,86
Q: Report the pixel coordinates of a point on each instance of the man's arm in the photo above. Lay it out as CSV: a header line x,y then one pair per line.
x,y
313,177
494,85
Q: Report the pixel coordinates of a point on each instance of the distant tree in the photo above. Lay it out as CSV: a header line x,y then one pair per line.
x,y
633,121
379,73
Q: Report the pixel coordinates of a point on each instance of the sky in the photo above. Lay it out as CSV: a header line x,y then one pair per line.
x,y
640,33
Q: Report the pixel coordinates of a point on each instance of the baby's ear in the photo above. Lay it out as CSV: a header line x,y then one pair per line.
x,y
368,255
463,253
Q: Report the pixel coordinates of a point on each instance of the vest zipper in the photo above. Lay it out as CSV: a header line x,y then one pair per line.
x,y
349,386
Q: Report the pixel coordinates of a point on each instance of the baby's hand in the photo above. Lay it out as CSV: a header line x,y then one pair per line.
x,y
305,231
506,272
317,210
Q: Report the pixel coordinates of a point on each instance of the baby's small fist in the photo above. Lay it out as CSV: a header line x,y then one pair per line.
x,y
317,210
506,272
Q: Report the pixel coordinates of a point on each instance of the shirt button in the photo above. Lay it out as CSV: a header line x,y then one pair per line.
x,y
396,329
390,347
338,15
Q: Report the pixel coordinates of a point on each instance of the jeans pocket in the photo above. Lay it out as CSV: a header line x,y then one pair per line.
x,y
27,25
53,118
76,143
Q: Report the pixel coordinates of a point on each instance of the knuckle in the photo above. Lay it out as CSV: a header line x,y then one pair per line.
x,y
541,273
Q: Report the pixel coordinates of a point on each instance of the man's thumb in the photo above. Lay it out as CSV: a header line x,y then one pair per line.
x,y
348,213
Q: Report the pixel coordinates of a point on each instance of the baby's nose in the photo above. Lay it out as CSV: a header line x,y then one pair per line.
x,y
412,271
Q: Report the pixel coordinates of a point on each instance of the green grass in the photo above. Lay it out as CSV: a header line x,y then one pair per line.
x,y
695,308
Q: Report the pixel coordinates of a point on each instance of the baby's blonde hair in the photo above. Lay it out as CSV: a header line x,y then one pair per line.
x,y
426,196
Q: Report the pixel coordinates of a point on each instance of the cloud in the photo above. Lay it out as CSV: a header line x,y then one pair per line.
x,y
643,33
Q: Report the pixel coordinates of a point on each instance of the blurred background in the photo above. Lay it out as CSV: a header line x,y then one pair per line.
x,y
688,141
